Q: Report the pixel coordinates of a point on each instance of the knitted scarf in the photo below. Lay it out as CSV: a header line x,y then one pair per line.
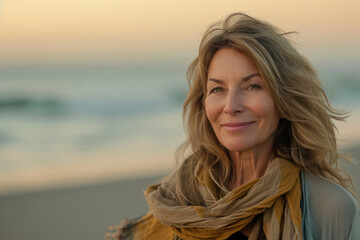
x,y
189,211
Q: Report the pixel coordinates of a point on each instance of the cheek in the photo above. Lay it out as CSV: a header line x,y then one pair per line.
x,y
271,115
264,108
211,110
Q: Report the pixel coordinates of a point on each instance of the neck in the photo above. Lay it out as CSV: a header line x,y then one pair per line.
x,y
248,165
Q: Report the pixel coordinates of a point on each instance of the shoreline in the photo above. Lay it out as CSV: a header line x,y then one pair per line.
x,y
74,176
117,162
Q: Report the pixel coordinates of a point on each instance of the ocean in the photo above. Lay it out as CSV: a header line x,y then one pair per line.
x,y
74,125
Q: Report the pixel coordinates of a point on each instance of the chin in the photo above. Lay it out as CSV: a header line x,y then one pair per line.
x,y
236,147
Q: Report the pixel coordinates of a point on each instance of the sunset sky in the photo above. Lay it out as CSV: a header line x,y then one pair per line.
x,y
41,32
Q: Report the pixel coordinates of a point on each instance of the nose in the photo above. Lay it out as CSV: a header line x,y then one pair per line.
x,y
234,103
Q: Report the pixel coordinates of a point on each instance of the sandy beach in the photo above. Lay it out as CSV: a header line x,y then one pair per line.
x,y
85,212
72,213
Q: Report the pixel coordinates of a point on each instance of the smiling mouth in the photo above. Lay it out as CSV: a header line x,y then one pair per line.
x,y
237,125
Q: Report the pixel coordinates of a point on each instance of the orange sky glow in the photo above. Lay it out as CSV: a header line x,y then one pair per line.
x,y
76,31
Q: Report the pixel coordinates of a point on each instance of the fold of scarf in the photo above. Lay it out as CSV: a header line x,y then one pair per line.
x,y
270,203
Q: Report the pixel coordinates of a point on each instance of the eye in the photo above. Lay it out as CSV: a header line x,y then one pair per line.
x,y
216,90
254,86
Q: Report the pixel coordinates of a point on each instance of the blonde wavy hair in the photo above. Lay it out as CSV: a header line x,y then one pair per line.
x,y
306,132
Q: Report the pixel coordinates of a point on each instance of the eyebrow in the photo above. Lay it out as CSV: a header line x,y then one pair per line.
x,y
245,79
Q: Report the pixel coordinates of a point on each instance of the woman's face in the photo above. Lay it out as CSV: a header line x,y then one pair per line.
x,y
238,104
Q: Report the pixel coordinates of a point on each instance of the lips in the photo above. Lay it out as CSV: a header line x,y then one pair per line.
x,y
236,125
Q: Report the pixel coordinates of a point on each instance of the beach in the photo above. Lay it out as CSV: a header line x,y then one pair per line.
x,y
86,212
79,147
92,94
83,212
71,172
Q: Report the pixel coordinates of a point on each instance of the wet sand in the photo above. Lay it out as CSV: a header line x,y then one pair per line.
x,y
85,212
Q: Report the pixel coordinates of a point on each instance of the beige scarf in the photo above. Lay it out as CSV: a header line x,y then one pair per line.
x,y
189,211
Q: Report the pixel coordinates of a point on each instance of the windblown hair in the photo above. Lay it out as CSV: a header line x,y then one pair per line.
x,y
306,131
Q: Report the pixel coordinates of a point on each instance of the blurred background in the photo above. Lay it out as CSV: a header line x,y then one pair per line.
x,y
91,99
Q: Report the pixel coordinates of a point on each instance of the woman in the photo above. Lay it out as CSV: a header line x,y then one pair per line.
x,y
263,153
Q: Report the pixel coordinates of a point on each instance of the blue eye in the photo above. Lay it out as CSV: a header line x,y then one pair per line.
x,y
216,90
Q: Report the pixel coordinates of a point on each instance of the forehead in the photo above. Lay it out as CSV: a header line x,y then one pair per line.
x,y
230,62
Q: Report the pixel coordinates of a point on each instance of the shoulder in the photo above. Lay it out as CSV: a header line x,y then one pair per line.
x,y
329,210
326,193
